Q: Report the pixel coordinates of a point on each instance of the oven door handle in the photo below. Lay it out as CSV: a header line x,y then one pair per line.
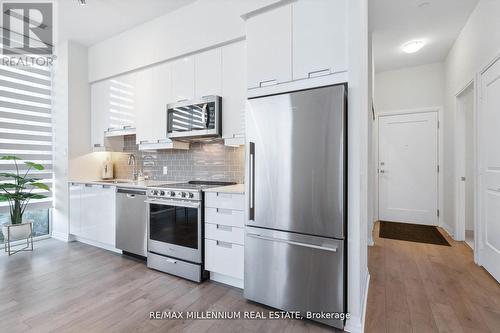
x,y
174,203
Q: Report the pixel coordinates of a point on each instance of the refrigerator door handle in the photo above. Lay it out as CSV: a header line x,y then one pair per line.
x,y
285,241
251,173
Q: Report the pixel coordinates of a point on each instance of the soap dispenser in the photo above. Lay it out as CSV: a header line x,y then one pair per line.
x,y
107,169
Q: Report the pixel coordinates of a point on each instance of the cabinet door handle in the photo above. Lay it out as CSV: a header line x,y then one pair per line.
x,y
224,244
224,227
320,72
224,211
268,83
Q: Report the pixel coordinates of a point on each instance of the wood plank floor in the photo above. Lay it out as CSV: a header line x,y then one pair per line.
x,y
73,287
418,287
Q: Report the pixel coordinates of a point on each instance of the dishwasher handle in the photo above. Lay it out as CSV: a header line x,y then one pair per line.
x,y
131,193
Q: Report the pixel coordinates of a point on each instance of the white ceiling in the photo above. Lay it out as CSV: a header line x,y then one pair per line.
x,y
394,22
102,19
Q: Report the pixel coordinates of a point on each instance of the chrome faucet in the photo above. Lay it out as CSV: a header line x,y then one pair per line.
x,y
132,161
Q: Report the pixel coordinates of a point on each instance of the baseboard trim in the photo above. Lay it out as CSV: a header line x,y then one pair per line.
x,y
62,236
97,244
229,280
357,324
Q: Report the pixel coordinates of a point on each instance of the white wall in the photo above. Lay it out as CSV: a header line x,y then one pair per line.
x,y
477,44
409,88
202,24
71,120
358,203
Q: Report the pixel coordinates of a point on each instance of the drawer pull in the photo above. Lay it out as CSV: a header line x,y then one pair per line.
x,y
224,244
224,227
321,72
224,195
224,211
172,261
268,83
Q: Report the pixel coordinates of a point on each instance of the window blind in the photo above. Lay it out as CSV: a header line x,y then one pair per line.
x,y
26,124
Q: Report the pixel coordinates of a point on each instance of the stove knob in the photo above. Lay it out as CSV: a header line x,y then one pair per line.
x,y
162,192
184,194
172,193
191,195
155,192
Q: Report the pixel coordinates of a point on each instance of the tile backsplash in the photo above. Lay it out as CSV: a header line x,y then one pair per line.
x,y
203,161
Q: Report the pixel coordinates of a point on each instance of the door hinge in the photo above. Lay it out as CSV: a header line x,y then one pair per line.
x,y
438,213
438,168
438,123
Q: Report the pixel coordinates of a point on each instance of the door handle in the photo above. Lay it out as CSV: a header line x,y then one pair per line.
x,y
251,174
289,242
131,196
382,171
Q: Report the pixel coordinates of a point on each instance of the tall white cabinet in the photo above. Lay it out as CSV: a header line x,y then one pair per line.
x,y
234,92
208,73
269,47
183,79
298,45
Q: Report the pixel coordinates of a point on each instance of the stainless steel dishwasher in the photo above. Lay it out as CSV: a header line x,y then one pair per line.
x,y
131,221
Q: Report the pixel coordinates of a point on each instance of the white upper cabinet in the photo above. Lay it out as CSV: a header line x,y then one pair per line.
x,y
208,73
100,106
162,95
233,90
269,47
319,38
143,105
122,94
183,79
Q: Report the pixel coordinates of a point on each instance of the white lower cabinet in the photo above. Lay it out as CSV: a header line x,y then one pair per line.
x,y
92,214
224,237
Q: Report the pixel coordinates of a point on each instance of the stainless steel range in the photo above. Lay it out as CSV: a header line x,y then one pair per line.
x,y
175,228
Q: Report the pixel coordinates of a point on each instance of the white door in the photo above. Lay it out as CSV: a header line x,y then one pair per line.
x,y
408,168
489,159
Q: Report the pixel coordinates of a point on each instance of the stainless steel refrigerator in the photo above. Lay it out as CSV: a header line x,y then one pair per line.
x,y
296,176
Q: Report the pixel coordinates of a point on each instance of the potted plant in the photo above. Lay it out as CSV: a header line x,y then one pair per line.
x,y
18,192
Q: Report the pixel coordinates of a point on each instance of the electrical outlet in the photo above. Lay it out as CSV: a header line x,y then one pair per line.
x,y
165,170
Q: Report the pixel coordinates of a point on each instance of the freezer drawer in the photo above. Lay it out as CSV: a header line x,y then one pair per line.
x,y
295,272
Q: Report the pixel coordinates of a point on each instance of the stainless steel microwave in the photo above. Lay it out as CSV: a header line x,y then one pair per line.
x,y
192,119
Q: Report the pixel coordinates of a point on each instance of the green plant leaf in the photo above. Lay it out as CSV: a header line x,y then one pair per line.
x,y
40,185
4,197
34,196
35,165
23,181
5,186
10,157
10,175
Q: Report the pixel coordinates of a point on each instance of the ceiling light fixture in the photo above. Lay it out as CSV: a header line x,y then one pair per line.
x,y
412,46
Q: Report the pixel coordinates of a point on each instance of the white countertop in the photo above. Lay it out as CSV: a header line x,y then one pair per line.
x,y
238,188
130,184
